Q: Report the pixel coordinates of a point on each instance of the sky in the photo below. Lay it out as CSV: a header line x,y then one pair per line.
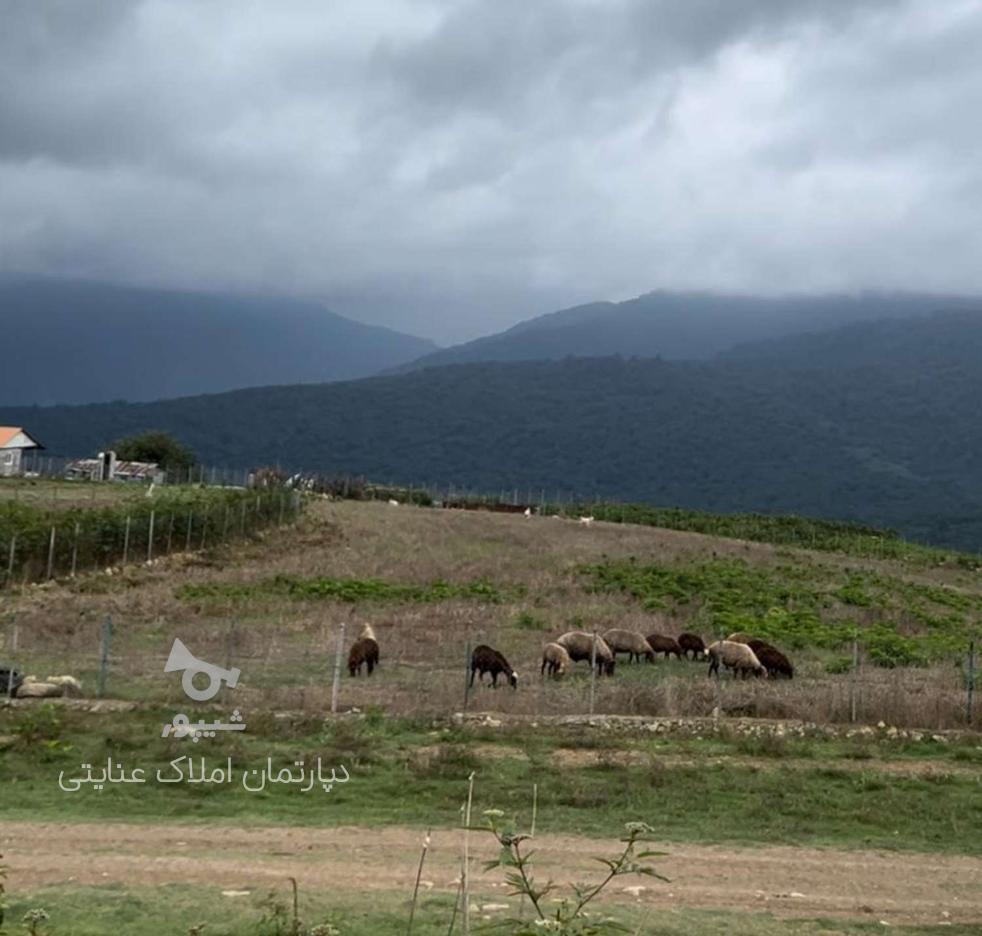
x,y
450,168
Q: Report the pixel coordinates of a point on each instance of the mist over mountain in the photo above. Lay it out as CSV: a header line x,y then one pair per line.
x,y
683,325
875,422
77,342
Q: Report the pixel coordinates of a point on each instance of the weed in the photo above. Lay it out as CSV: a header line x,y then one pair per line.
x,y
571,917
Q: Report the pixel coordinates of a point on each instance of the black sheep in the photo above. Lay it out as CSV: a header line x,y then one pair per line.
x,y
364,651
693,643
775,662
486,659
667,645
10,679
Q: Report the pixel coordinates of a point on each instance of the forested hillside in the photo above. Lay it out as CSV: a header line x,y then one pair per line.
x,y
889,435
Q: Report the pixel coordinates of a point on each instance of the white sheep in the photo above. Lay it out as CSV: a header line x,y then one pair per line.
x,y
580,646
734,656
556,660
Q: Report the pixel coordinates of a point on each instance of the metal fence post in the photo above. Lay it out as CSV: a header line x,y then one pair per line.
x,y
150,536
593,672
852,680
75,549
170,534
106,643
970,683
337,671
10,560
187,538
51,552
126,540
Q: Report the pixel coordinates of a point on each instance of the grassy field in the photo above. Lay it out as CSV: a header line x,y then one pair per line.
x,y
432,584
150,912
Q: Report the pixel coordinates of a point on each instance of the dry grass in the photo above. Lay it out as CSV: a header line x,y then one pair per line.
x,y
286,648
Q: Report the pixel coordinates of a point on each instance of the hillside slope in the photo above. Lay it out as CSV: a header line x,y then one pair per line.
x,y
681,326
78,342
867,439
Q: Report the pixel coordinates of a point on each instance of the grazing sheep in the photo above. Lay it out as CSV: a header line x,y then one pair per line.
x,y
629,642
556,660
737,657
692,642
667,645
740,637
579,646
586,521
367,633
775,662
486,659
364,651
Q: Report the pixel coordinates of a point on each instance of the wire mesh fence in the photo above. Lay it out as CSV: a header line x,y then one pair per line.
x,y
295,664
40,546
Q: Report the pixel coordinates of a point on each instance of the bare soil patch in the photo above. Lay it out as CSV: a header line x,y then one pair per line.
x,y
800,882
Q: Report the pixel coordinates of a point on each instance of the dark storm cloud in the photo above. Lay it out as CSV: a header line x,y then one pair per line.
x,y
449,167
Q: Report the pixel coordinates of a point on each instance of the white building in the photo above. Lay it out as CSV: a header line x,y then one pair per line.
x,y
14,441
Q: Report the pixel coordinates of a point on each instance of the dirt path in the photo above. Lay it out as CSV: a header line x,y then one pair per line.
x,y
805,882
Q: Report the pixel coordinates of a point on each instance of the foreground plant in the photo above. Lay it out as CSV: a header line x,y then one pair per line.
x,y
570,918
34,919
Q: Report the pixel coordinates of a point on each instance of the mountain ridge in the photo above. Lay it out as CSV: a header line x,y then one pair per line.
x,y
86,341
895,446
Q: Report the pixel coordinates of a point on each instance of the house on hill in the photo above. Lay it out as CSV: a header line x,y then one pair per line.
x,y
14,441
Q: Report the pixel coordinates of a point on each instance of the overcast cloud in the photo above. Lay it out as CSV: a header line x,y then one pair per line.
x,y
448,168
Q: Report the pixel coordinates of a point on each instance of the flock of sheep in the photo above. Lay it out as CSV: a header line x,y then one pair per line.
x,y
739,653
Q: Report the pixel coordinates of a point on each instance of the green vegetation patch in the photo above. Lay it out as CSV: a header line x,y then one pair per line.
x,y
813,803
801,605
852,539
87,536
350,590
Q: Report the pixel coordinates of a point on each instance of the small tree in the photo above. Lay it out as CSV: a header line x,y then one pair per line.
x,y
157,447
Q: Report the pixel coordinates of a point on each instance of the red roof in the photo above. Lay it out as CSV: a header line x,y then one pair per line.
x,y
9,433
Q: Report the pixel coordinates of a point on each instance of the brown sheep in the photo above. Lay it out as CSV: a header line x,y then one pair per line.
x,y
775,662
667,645
579,646
364,651
486,659
629,642
735,656
556,660
694,643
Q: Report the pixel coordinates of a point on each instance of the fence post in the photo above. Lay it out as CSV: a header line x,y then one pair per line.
x,y
187,537
10,560
242,525
593,671
51,552
970,687
126,540
75,549
13,651
225,525
170,534
337,671
852,680
150,537
106,643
